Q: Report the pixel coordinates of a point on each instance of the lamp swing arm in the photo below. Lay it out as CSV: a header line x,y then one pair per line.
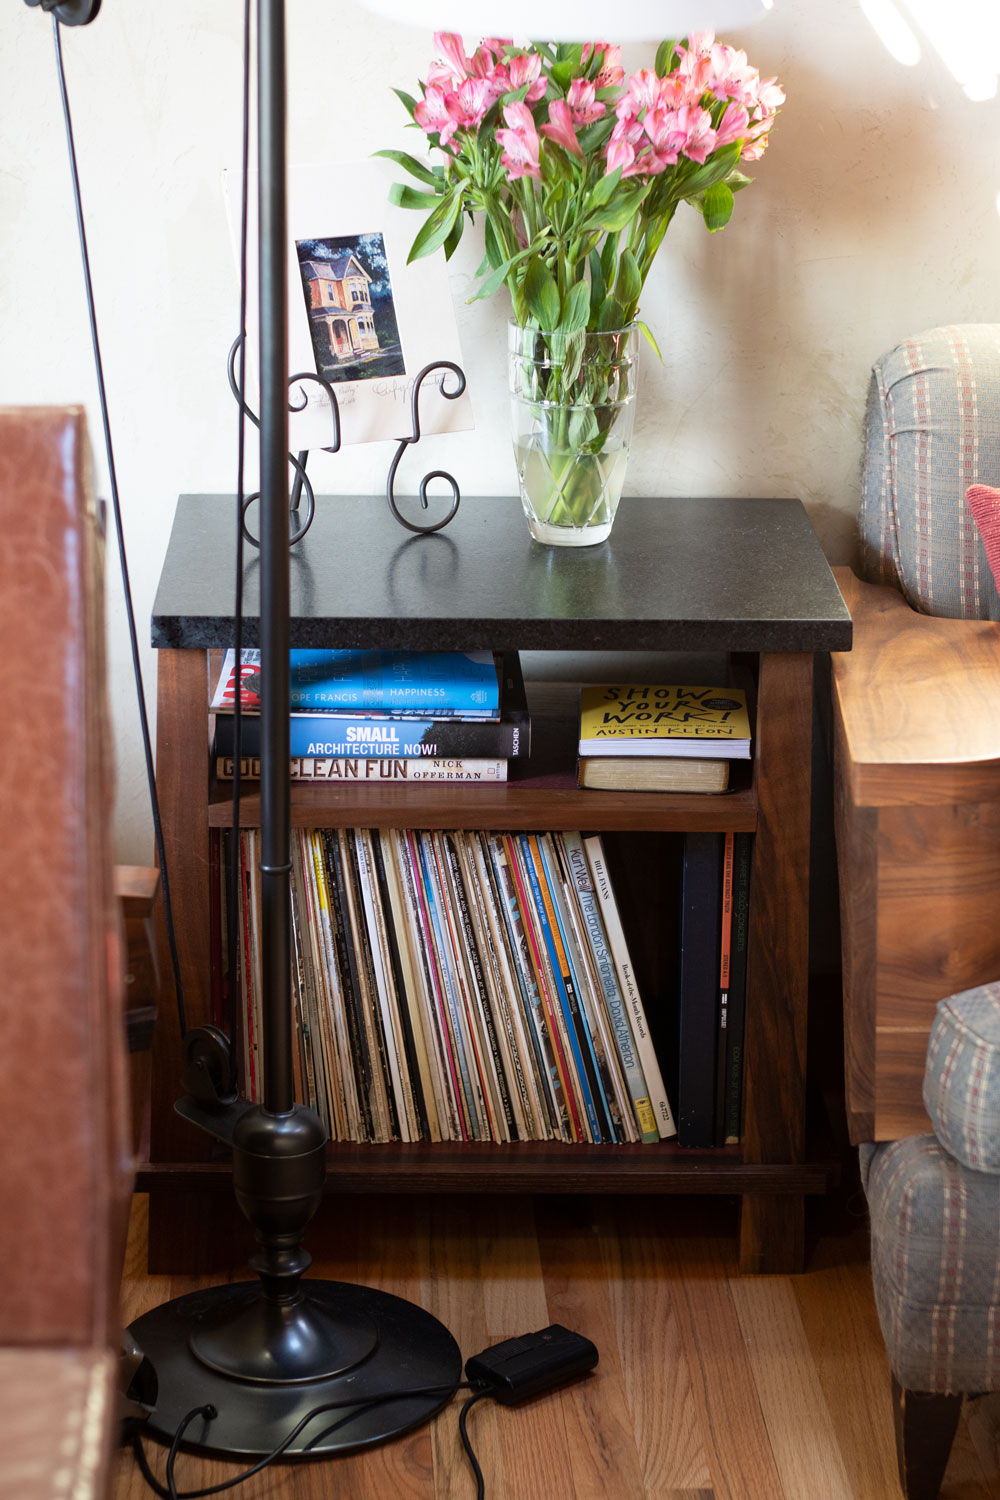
x,y
70,12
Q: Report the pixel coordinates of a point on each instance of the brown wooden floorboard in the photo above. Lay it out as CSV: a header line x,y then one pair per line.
x,y
711,1386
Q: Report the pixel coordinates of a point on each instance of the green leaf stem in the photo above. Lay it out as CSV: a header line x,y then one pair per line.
x,y
405,196
541,293
416,168
437,227
717,206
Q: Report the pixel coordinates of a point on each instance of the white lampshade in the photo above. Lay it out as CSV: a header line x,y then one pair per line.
x,y
573,20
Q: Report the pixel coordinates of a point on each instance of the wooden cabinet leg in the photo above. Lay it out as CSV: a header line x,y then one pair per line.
x,y
772,1234
925,1430
195,1232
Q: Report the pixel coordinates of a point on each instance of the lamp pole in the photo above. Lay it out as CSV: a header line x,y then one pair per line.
x,y
278,1092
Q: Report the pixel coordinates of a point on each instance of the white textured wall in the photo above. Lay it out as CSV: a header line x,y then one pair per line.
x,y
873,215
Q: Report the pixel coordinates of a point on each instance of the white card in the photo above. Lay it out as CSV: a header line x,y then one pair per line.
x,y
357,313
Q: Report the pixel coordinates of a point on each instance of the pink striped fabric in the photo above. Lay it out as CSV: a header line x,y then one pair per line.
x,y
984,503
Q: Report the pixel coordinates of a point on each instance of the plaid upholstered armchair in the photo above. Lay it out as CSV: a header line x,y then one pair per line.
x,y
917,724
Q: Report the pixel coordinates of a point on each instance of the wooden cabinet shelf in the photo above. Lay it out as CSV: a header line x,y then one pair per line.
x,y
744,577
493,806
529,1166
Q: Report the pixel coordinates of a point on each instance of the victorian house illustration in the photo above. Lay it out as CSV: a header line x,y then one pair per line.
x,y
340,308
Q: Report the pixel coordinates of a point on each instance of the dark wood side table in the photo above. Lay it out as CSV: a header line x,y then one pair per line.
x,y
709,575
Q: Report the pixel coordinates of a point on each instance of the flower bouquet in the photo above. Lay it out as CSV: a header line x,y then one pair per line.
x,y
576,172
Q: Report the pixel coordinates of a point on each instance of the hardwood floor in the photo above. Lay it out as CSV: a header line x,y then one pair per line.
x,y
710,1386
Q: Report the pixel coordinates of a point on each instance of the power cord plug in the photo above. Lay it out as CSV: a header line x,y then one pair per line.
x,y
531,1364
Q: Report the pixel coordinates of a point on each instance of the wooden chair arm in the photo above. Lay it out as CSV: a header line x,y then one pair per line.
x,y
136,888
916,703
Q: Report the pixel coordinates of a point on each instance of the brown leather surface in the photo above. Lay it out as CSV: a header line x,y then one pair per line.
x,y
65,1165
56,1423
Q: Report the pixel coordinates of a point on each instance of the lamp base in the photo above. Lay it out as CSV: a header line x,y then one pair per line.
x,y
408,1350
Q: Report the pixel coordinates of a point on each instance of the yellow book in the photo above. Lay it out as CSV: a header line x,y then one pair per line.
x,y
640,719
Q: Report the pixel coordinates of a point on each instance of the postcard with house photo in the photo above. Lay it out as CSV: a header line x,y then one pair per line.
x,y
352,319
357,313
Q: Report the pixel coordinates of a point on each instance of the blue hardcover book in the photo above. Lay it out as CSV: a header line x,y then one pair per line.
x,y
432,684
345,735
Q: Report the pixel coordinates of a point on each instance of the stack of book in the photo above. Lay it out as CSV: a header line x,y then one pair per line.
x,y
637,737
458,986
382,715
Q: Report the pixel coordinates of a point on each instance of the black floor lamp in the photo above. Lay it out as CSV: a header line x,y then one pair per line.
x,y
241,1367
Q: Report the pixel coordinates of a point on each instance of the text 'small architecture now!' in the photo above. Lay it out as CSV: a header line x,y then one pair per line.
x,y
340,308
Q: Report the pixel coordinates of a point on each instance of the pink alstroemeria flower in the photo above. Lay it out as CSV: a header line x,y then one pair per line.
x,y
584,106
452,49
469,104
770,96
560,128
700,139
700,42
733,126
440,75
525,68
732,77
624,148
520,142
642,92
611,71
432,114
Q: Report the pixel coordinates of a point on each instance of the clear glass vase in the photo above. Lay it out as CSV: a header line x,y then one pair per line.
x,y
572,401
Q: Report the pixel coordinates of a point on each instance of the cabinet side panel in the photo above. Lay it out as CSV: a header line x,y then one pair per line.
x,y
938,934
182,782
857,835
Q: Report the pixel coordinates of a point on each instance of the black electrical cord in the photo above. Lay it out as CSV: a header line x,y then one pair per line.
x,y
170,1491
210,1413
463,1432
154,800
232,944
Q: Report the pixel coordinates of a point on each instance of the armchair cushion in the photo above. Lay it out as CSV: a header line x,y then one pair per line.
x,y
984,503
932,430
935,1229
962,1076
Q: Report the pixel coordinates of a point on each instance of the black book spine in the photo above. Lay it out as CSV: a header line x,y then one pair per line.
x,y
736,1026
701,882
350,984
363,955
725,976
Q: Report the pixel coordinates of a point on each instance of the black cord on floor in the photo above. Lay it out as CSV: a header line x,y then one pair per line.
x,y
154,800
169,1491
463,1432
208,1412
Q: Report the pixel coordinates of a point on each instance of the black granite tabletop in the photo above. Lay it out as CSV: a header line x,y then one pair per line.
x,y
676,574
